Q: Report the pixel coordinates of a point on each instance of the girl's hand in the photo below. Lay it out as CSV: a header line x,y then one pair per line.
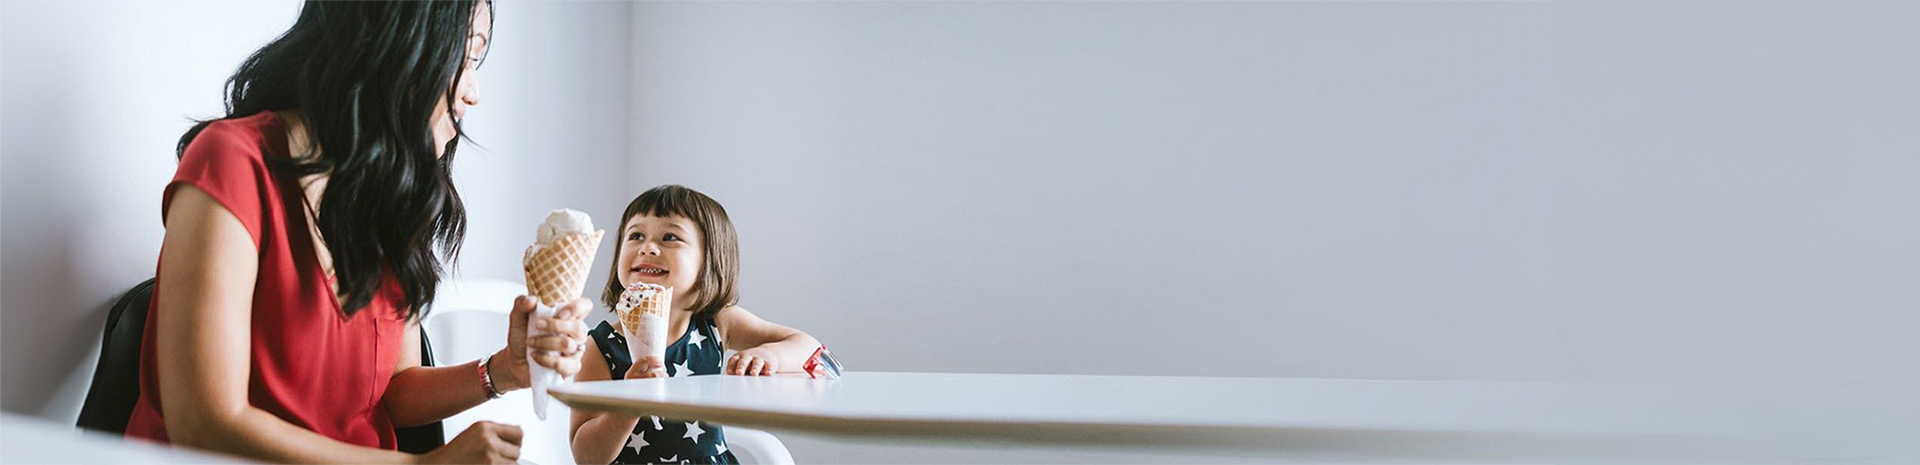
x,y
560,348
647,367
758,361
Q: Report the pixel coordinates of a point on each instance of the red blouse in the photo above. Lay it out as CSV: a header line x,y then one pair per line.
x,y
310,364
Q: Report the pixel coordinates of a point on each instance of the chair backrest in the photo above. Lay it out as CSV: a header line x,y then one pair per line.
x,y
116,376
469,317
423,438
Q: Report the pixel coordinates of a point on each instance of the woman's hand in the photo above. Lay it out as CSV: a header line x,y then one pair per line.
x,y
757,361
483,442
647,367
565,339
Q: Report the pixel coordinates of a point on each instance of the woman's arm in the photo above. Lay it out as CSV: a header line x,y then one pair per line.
x,y
598,436
768,348
454,388
202,344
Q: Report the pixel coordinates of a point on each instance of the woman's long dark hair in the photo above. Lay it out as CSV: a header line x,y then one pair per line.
x,y
366,78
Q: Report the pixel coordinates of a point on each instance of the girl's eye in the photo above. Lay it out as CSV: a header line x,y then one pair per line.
x,y
670,237
634,236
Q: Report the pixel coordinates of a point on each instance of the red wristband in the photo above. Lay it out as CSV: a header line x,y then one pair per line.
x,y
821,364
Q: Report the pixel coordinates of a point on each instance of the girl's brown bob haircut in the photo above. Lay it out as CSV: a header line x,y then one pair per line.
x,y
717,283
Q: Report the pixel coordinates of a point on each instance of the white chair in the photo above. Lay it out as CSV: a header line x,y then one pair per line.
x,y
756,446
469,321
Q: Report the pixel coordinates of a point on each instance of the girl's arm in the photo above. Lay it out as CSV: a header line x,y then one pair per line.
x,y
768,347
598,436
418,395
202,344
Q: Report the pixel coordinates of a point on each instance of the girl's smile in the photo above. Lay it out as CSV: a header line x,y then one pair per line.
x,y
649,270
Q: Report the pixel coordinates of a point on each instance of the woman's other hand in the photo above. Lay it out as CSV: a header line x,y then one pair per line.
x,y
483,442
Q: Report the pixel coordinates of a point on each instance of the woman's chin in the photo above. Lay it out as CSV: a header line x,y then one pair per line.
x,y
442,134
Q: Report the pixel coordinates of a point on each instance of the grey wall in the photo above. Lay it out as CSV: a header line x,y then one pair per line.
x,y
1583,191
96,93
1557,191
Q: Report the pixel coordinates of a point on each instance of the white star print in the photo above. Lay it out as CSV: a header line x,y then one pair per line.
x,y
671,458
696,339
656,422
638,441
680,370
694,431
723,448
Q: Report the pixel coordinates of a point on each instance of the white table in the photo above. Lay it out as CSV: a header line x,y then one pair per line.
x,y
26,439
1307,419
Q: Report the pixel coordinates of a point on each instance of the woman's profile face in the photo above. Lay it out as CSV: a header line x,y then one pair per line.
x,y
465,91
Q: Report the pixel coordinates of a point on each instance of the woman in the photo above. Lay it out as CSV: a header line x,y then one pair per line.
x,y
300,250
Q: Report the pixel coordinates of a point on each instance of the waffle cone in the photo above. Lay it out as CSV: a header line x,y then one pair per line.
x,y
657,304
557,273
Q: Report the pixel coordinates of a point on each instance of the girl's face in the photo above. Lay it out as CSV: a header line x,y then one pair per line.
x,y
466,92
664,251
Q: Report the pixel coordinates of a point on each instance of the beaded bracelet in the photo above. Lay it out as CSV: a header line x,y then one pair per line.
x,y
486,378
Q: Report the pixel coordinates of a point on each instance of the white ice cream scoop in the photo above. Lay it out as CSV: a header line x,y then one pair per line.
x,y
562,222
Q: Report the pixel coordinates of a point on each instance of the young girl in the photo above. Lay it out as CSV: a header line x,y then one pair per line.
x,y
676,237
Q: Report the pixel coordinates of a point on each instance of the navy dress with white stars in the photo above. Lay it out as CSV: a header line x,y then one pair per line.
x,y
664,440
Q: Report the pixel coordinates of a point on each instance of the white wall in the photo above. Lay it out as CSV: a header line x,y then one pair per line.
x,y
96,93
551,127
1578,191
